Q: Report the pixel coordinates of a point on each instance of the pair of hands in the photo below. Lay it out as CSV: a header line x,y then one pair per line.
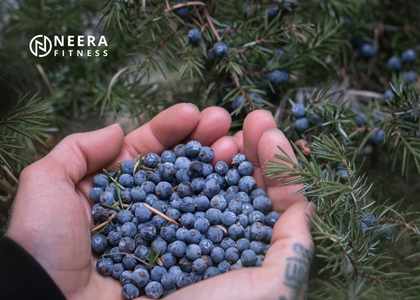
x,y
51,214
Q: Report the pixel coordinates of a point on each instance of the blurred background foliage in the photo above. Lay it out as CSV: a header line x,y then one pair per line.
x,y
366,190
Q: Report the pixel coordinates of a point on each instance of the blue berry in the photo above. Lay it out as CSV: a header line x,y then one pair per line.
x,y
211,272
126,244
237,159
163,190
378,136
199,266
128,229
227,243
127,166
140,177
245,168
272,11
202,225
233,189
206,246
257,231
224,266
183,11
206,154
153,176
129,262
140,277
232,177
215,234
184,189
182,162
99,243
104,266
193,252
107,198
151,160
228,218
142,214
242,244
258,192
197,185
157,272
211,188
182,234
182,175
298,110
168,156
367,50
138,194
218,202
389,95
217,254
232,254
256,216
196,168
237,102
220,49
130,291
194,36
147,231
271,218
257,246
95,194
262,203
202,203
173,213
115,254
408,56
301,124
114,238
207,169
221,167
187,220
184,279
236,231
159,246
278,77
185,264
394,63
148,187
177,248
243,220
168,281
168,260
192,149
167,171
235,206
168,233
247,184
100,180
360,120
194,236
142,252
213,215
126,180
248,258
117,269
409,76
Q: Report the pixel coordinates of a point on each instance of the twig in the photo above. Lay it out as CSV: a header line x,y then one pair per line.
x,y
190,3
159,213
213,29
9,173
99,226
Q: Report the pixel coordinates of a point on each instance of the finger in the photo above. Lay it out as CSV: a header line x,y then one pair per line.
x,y
169,127
239,139
214,124
282,195
289,258
224,149
81,154
255,124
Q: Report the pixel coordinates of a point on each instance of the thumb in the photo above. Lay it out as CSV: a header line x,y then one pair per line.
x,y
80,154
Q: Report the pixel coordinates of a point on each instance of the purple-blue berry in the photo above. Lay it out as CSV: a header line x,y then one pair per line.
x,y
104,266
394,63
248,258
408,56
215,234
177,248
194,36
130,291
99,243
301,124
278,77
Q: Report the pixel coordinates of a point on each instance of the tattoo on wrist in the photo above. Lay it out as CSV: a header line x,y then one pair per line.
x,y
297,272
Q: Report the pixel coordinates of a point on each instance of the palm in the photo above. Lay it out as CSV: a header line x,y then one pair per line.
x,y
57,223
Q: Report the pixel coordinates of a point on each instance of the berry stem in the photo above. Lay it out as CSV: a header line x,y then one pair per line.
x,y
159,213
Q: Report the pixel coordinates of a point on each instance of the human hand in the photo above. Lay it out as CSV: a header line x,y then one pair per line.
x,y
51,215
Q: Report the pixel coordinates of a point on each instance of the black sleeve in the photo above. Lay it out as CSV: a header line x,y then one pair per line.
x,y
22,277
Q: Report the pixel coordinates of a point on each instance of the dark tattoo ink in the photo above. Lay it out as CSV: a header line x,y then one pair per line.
x,y
297,272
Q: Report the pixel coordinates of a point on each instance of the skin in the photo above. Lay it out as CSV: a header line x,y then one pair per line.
x,y
51,213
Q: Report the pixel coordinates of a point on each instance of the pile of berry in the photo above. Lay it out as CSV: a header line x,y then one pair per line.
x,y
167,221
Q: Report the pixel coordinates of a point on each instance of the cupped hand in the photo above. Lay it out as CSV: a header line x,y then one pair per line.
x,y
51,213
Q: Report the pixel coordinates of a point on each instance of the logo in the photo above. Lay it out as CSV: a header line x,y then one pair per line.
x,y
68,45
40,45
